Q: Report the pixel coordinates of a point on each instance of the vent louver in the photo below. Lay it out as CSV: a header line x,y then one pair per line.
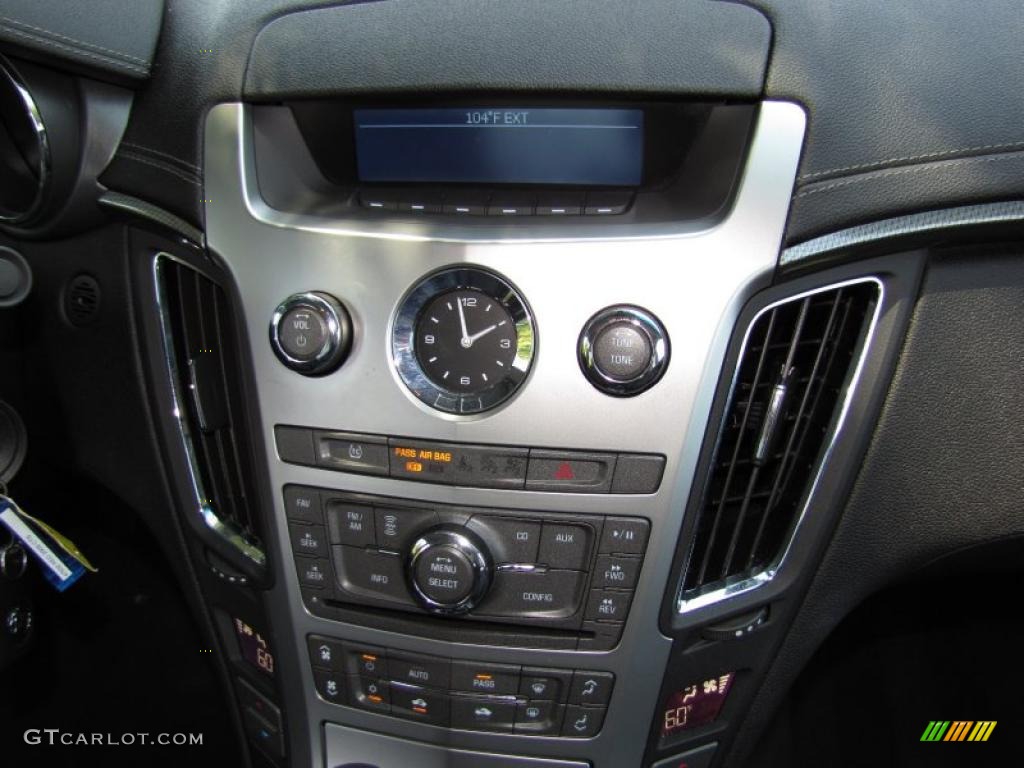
x,y
204,365
791,380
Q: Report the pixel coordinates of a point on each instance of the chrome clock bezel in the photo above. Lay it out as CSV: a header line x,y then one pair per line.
x,y
403,340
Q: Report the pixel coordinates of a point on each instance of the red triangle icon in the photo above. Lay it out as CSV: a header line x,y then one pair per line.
x,y
565,472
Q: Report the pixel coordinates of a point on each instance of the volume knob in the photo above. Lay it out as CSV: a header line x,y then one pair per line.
x,y
450,570
311,333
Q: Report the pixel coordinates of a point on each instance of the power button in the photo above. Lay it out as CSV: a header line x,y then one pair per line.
x,y
311,333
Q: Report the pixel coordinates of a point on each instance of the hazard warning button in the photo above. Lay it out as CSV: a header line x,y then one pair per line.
x,y
570,472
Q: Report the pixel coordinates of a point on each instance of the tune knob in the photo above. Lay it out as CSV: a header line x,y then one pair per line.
x,y
311,333
450,570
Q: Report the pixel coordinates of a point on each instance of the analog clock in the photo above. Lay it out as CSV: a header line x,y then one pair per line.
x,y
463,340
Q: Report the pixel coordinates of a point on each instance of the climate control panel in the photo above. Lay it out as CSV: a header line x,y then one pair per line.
x,y
571,573
468,695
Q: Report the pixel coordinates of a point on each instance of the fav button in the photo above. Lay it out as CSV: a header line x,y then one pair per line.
x,y
570,472
303,505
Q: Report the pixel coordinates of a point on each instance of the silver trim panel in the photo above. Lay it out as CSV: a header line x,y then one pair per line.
x,y
694,276
929,221
742,585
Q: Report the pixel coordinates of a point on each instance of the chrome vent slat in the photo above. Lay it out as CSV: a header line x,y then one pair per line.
x,y
790,381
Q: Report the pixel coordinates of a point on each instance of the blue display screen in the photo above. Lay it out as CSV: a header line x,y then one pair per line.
x,y
501,145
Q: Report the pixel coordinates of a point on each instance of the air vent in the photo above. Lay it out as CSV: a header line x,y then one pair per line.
x,y
794,371
199,336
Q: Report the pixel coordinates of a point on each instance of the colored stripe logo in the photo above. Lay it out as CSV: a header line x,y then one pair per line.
x,y
958,730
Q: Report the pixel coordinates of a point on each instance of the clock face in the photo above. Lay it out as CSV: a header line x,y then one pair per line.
x,y
463,340
466,341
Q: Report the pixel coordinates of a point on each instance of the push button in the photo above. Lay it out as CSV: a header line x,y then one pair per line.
x,y
302,333
564,546
638,473
624,536
533,594
545,684
538,717
607,605
326,653
591,688
570,472
366,661
369,693
622,351
303,505
607,203
582,722
510,540
314,572
481,677
396,528
416,703
700,757
295,445
429,671
352,453
308,539
480,467
429,462
373,575
483,713
350,524
616,571
331,686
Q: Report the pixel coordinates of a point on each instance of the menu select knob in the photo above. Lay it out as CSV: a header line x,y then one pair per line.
x,y
450,570
623,350
311,333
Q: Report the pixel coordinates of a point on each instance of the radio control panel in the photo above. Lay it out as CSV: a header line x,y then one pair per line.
x,y
562,572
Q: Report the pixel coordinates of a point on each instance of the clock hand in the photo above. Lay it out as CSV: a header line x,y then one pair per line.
x,y
482,333
466,340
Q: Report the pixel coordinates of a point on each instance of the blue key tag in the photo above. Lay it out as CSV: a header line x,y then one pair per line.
x,y
62,563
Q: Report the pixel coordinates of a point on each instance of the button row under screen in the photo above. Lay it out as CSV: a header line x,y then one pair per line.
x,y
474,202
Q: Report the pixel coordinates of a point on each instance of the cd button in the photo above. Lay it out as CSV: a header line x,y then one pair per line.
x,y
510,541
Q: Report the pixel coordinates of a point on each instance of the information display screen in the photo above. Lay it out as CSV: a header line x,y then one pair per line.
x,y
501,145
254,647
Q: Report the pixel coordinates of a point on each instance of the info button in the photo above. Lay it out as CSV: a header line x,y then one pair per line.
x,y
570,472
427,462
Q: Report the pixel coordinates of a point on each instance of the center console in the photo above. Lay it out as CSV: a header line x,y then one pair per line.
x,y
484,375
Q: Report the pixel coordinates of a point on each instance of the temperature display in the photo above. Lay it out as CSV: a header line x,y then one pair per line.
x,y
254,647
697,704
